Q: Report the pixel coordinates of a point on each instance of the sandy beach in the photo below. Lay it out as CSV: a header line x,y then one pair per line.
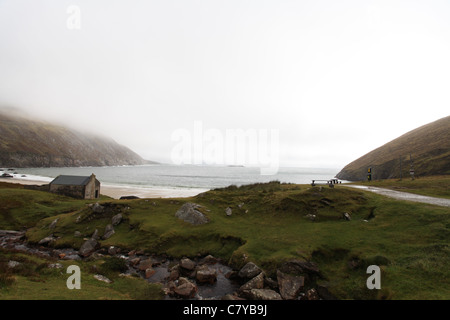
x,y
117,191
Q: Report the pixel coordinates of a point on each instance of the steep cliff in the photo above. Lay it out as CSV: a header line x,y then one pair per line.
x,y
33,143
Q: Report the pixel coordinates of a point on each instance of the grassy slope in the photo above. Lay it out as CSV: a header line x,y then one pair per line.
x,y
429,146
408,240
21,209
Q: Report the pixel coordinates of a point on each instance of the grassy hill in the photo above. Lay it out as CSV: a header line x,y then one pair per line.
x,y
31,143
429,146
269,224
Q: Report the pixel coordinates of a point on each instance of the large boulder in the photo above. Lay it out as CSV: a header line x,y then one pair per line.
x,y
187,264
189,213
88,247
185,288
249,271
255,283
289,285
206,275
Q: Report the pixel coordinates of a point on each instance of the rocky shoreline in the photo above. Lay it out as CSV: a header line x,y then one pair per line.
x,y
198,278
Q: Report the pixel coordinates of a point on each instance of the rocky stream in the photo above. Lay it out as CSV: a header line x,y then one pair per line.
x,y
198,278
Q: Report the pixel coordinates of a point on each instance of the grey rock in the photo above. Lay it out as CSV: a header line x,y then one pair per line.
x,y
174,273
88,247
228,211
72,257
21,247
109,231
206,275
47,240
145,264
209,259
4,233
97,208
269,283
95,235
187,264
77,234
262,294
255,283
115,220
185,289
53,224
135,261
289,285
347,216
189,213
113,250
249,271
13,264
100,277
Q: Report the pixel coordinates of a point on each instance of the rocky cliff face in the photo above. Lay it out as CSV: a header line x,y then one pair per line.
x,y
29,143
429,147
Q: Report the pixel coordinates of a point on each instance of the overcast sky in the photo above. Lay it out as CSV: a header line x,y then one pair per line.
x,y
336,79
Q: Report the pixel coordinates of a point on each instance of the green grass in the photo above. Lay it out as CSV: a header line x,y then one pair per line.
x,y
33,279
21,208
269,225
437,186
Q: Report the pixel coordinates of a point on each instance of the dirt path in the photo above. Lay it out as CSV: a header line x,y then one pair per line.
x,y
404,195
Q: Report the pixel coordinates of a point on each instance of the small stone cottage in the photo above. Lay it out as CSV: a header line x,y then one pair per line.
x,y
81,187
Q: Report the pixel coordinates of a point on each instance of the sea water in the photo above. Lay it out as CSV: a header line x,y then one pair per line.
x,y
180,176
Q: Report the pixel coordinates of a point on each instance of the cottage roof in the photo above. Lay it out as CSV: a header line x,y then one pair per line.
x,y
71,180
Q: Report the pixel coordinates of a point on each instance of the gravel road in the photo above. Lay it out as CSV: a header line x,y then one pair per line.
x,y
404,195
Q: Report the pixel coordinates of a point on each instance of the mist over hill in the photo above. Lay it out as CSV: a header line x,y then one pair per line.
x,y
428,146
28,142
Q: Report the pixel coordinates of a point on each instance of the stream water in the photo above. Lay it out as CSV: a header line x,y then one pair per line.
x,y
221,287
15,240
